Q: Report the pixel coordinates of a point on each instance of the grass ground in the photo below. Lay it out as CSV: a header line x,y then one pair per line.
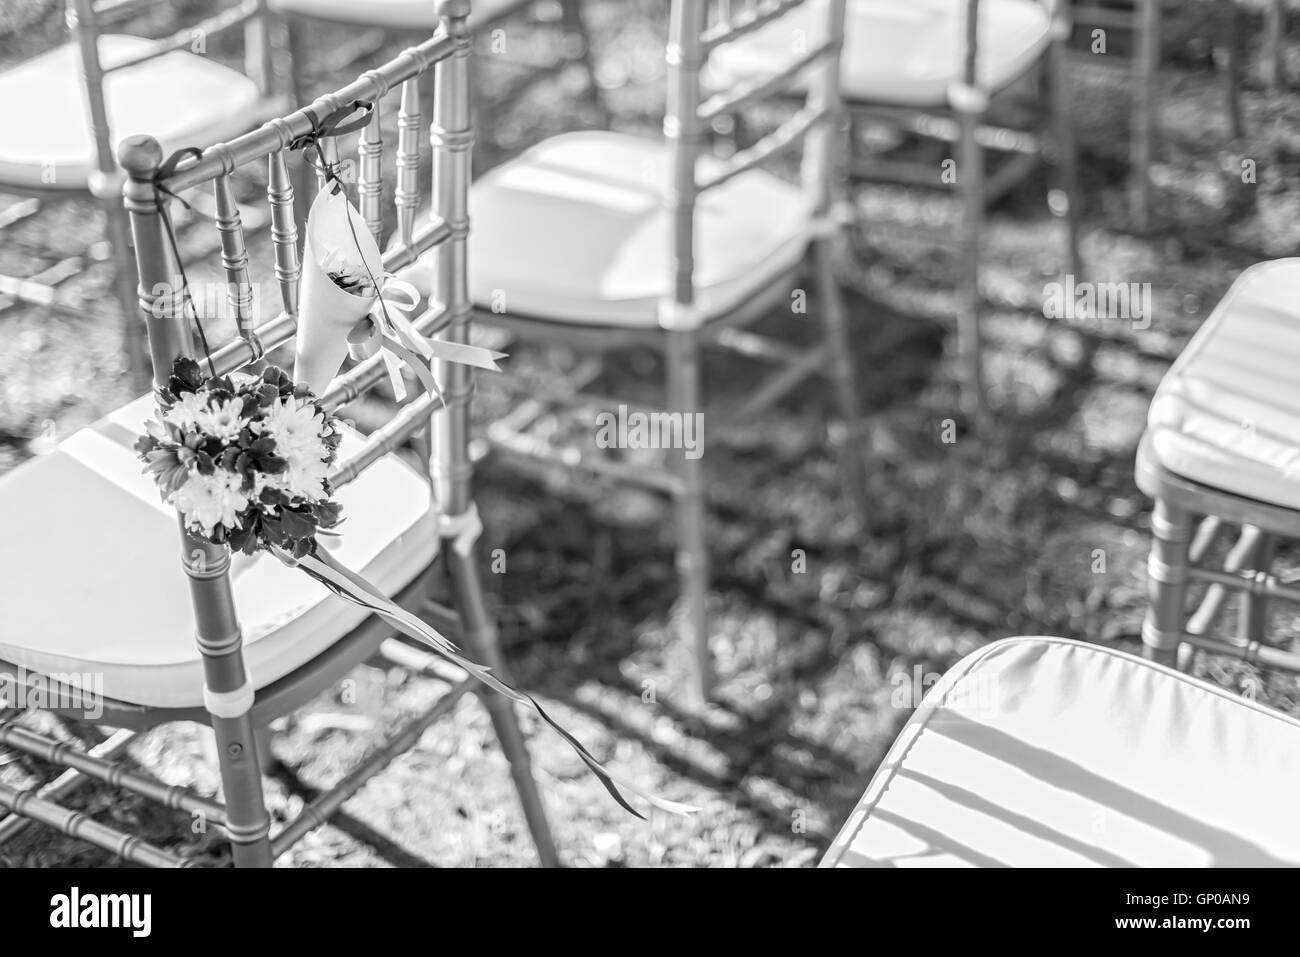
x,y
1035,527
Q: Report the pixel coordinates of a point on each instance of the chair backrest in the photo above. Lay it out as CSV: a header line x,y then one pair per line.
x,y
87,19
164,296
698,27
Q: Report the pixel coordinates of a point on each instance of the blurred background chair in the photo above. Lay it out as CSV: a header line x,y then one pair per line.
x,y
268,639
486,19
1223,445
66,109
602,240
933,70
1143,21
1045,752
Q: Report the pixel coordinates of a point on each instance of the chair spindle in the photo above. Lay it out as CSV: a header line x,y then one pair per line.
x,y
234,257
407,195
284,230
370,184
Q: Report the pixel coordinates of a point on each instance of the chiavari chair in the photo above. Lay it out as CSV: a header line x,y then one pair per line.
x,y
66,109
1046,752
935,69
602,241
1221,445
97,588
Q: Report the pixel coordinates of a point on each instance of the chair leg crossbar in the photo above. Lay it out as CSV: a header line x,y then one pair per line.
x,y
39,804
67,782
112,773
79,825
1179,558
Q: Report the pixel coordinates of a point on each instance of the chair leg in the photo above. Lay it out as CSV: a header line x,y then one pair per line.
x,y
1227,57
482,640
838,345
1146,66
1274,56
300,171
970,346
683,361
228,697
1252,616
241,780
575,25
1162,630
134,348
1066,157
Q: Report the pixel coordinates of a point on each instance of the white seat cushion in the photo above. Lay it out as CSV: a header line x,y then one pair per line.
x,y
904,54
97,586
180,98
575,230
1227,414
1047,752
393,14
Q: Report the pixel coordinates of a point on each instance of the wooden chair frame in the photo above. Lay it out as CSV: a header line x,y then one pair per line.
x,y
87,19
683,331
1170,634
962,121
236,714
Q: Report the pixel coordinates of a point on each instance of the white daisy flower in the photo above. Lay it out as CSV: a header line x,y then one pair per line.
x,y
223,421
210,500
296,427
185,412
305,478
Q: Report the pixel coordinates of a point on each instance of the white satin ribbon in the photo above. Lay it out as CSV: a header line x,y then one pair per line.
x,y
388,330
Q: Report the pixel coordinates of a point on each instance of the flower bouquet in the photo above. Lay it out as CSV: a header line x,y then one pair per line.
x,y
246,461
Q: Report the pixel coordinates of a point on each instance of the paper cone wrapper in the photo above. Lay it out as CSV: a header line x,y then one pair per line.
x,y
326,313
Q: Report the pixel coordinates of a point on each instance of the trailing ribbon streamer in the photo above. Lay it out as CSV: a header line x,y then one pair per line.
x,y
348,585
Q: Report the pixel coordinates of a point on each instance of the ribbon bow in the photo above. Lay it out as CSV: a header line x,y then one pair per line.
x,y
389,331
